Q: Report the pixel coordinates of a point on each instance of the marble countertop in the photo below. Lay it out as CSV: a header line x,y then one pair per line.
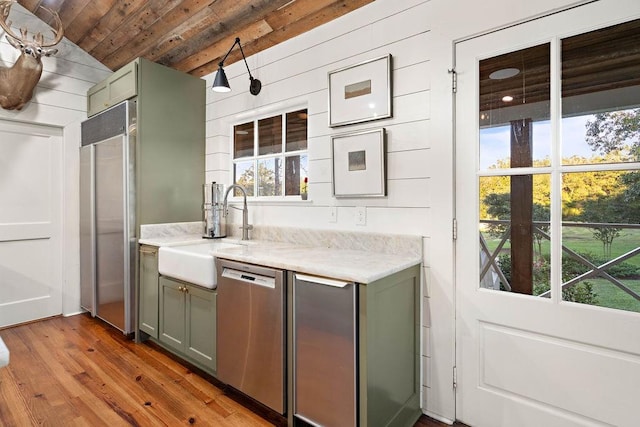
x,y
343,264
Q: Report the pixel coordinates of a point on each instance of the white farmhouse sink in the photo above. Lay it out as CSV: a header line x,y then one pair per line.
x,y
191,263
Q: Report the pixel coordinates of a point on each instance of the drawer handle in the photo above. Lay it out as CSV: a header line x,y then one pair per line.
x,y
322,280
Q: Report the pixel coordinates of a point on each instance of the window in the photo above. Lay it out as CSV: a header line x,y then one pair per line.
x,y
579,187
275,147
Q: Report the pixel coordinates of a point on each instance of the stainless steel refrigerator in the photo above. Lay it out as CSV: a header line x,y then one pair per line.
x,y
141,162
107,215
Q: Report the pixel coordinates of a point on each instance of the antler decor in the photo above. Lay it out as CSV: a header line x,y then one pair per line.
x,y
18,82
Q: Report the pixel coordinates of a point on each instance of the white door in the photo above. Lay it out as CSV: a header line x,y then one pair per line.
x,y
30,222
548,207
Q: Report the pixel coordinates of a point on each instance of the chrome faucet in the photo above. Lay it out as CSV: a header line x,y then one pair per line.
x,y
245,211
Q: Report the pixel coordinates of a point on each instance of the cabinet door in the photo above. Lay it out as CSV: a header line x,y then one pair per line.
x,y
97,98
148,295
201,326
172,313
116,88
123,84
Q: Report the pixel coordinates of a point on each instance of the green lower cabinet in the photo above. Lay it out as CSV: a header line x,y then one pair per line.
x,y
188,321
200,333
173,319
389,356
148,292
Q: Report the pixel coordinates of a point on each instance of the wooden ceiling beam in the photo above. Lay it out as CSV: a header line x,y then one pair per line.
x,y
85,22
292,29
133,26
297,11
147,38
218,50
96,31
218,21
71,9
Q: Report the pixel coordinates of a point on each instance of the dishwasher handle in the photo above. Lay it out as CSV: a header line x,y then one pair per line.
x,y
254,279
322,280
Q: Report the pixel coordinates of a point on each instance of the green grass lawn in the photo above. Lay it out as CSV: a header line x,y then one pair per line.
x,y
581,240
611,296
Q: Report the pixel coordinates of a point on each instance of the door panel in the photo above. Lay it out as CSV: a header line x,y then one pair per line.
x,y
110,231
30,222
172,314
201,325
532,346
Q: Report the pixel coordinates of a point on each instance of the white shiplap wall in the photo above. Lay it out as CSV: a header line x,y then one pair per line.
x,y
421,36
60,101
295,73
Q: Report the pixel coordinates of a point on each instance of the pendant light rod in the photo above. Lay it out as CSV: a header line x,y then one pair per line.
x,y
254,86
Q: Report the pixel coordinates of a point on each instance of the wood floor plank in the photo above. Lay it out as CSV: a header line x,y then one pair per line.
x,y
38,389
13,409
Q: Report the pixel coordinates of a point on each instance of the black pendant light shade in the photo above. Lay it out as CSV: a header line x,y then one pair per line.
x,y
221,83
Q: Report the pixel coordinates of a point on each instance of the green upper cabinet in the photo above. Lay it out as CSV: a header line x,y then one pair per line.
x,y
119,86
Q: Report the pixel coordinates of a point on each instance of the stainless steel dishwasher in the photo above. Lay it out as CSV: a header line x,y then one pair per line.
x,y
251,331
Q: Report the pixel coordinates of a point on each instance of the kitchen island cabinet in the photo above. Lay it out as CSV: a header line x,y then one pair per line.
x,y
187,321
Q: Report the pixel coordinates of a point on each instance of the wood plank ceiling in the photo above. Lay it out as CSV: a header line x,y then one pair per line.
x,y
187,35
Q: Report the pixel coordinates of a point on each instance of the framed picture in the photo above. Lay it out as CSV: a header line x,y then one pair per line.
x,y
359,164
360,92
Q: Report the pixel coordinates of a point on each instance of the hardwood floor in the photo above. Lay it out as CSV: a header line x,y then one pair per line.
x,y
78,371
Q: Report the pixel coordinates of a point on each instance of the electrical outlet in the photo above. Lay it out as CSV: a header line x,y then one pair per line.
x,y
361,215
333,214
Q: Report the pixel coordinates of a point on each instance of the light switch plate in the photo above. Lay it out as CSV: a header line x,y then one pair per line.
x,y
361,215
333,214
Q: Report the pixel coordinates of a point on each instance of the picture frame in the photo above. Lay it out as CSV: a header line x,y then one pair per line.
x,y
361,92
359,164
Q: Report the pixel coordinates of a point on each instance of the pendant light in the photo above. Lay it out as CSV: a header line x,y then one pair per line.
x,y
221,83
